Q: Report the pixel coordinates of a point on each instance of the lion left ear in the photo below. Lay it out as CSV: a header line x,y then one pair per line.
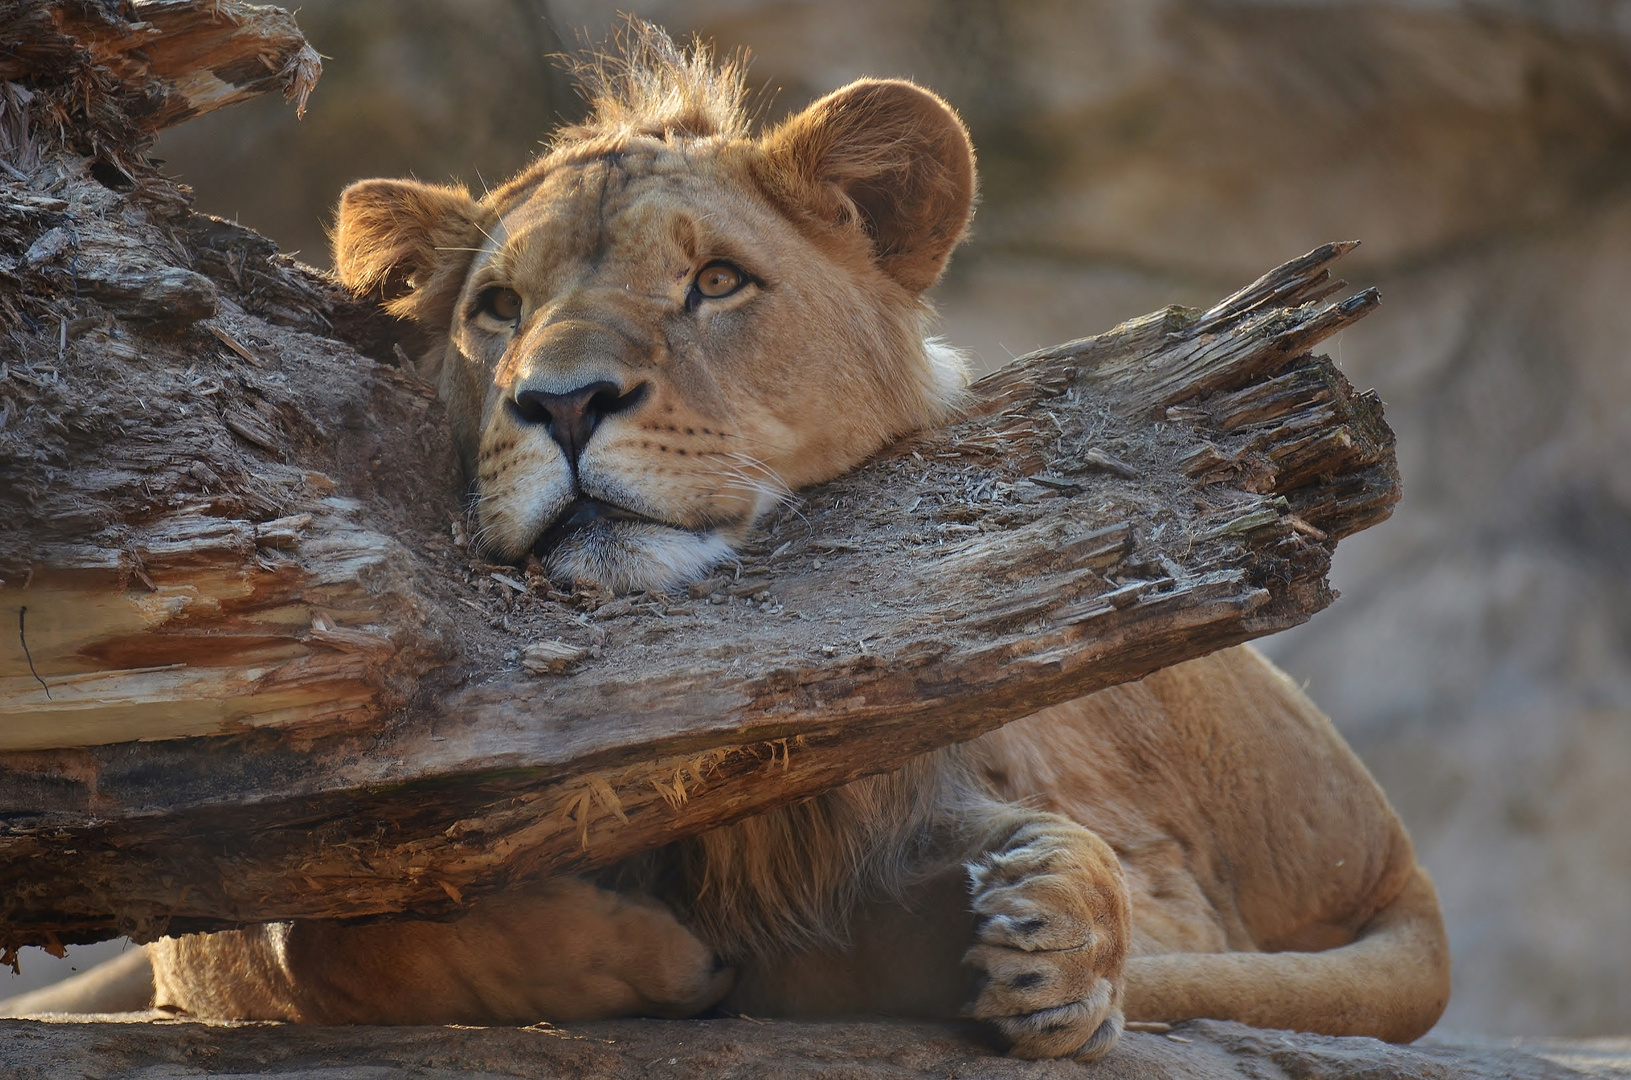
x,y
885,155
407,243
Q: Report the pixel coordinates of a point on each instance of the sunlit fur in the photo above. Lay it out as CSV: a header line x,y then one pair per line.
x,y
1200,843
813,365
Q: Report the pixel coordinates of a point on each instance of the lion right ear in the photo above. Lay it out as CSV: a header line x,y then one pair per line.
x,y
407,243
884,156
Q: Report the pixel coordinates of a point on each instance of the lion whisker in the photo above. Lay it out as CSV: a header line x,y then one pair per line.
x,y
765,483
750,462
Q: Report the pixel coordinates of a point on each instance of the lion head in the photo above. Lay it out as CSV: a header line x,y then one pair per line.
x,y
667,322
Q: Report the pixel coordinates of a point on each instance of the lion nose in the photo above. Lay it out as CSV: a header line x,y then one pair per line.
x,y
571,418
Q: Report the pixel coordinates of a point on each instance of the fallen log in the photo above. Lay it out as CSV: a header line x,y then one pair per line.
x,y
259,671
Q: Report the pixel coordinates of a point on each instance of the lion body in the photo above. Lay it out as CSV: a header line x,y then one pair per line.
x,y
1264,877
1247,834
650,337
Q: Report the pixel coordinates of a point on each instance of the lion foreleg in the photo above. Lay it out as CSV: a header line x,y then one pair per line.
x,y
1052,934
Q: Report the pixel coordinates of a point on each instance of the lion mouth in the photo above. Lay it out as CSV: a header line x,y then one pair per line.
x,y
584,513
625,551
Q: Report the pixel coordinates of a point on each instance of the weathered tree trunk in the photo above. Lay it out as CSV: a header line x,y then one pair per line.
x,y
258,672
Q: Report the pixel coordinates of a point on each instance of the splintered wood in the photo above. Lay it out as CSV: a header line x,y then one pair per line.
x,y
113,72
252,667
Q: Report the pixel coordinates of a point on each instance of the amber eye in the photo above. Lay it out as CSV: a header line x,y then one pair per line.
x,y
499,303
718,279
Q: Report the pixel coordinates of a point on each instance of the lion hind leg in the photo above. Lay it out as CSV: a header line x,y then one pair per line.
x,y
123,984
557,950
1391,982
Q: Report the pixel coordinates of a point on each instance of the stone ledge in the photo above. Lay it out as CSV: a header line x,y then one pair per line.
x,y
114,1048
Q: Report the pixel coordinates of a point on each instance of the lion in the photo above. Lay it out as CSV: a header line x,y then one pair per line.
x,y
645,341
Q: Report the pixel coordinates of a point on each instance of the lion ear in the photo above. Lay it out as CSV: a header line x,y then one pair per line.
x,y
407,243
888,156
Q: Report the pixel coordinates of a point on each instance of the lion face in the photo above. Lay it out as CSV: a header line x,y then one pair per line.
x,y
651,338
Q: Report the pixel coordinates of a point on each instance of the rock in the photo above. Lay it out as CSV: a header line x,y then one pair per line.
x,y
741,1048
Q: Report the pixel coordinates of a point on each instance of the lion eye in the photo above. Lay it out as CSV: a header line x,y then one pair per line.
x,y
499,303
718,279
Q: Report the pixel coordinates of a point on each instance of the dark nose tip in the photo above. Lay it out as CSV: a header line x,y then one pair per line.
x,y
571,418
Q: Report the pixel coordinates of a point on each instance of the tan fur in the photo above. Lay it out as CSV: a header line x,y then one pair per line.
x,y
606,955
1201,843
1266,878
840,217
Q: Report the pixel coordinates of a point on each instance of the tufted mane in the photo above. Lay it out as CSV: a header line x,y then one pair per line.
x,y
645,84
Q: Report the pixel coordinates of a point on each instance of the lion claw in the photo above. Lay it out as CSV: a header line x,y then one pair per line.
x,y
1051,941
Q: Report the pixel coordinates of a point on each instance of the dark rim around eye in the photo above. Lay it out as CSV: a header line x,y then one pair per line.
x,y
694,295
487,303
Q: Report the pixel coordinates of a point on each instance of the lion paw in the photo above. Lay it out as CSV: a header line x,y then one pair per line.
x,y
621,945
1052,940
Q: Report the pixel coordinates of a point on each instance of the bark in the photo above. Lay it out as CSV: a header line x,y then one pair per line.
x,y
258,671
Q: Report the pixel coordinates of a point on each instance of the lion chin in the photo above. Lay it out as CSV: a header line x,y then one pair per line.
x,y
634,556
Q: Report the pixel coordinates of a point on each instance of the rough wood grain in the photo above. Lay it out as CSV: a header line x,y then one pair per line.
x,y
258,671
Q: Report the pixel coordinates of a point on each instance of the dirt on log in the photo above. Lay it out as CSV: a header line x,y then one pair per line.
x,y
253,668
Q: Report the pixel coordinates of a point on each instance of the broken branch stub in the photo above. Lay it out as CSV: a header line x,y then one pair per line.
x,y
105,77
253,669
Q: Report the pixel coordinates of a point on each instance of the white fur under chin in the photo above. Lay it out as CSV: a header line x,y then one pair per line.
x,y
950,368
630,556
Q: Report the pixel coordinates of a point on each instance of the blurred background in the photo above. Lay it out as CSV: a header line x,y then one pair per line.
x,y
1136,153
